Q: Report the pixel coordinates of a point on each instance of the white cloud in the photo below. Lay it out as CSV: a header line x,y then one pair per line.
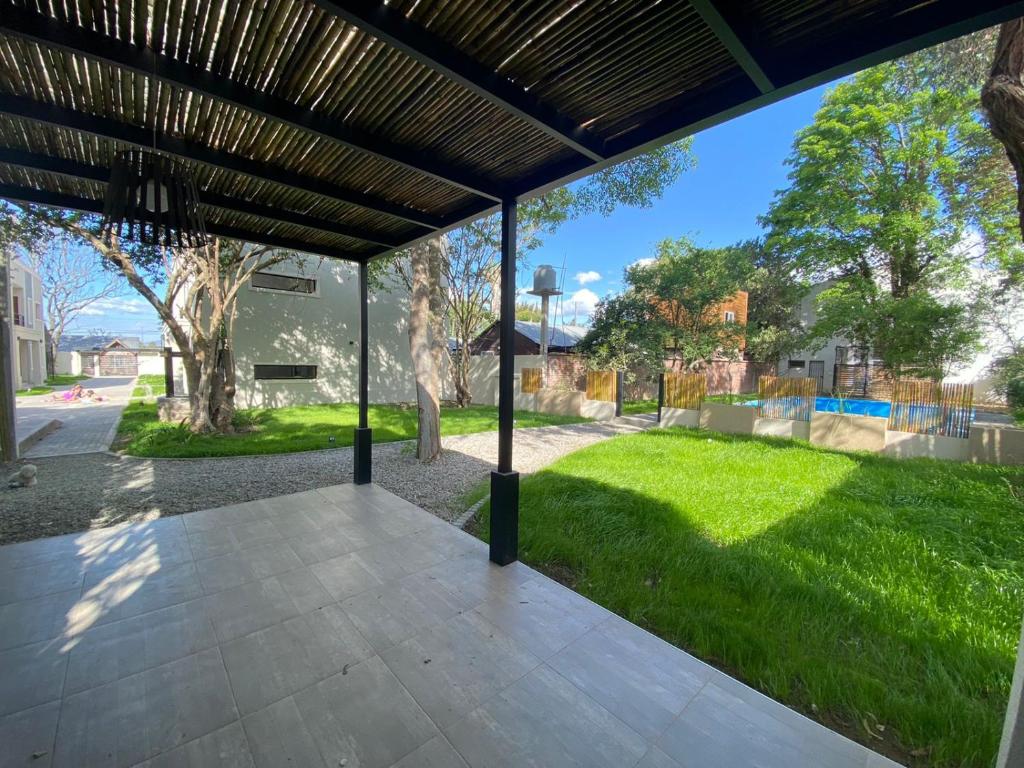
x,y
643,262
580,303
125,305
589,276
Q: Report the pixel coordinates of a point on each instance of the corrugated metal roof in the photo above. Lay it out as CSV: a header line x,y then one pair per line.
x,y
558,336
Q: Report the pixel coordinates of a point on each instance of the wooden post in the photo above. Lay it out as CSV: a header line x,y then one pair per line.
x,y
505,483
362,458
8,436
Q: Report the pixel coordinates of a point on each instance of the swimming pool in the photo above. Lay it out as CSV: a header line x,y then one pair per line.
x,y
837,405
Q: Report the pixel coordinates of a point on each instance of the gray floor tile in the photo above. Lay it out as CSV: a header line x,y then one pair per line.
x,y
436,753
318,546
474,578
364,717
31,675
257,562
259,604
111,651
215,542
41,618
544,720
655,758
278,737
222,517
25,554
542,615
39,580
346,576
278,661
640,679
138,717
453,668
718,727
226,747
134,589
27,737
390,614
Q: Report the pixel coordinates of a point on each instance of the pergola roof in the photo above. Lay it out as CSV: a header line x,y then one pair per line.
x,y
350,129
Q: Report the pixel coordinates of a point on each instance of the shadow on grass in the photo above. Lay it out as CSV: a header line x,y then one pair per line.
x,y
882,598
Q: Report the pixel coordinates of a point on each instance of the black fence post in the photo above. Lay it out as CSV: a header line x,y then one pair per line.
x,y
619,381
168,372
661,394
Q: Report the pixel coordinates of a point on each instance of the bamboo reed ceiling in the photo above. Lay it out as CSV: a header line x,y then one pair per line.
x,y
354,128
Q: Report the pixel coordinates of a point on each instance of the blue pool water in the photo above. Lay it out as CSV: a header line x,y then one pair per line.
x,y
860,407
835,405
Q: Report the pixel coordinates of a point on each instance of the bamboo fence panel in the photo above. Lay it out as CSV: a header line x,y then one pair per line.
x,y
929,408
601,386
685,390
786,397
531,380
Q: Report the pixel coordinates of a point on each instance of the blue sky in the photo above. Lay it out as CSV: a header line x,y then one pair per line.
x,y
739,167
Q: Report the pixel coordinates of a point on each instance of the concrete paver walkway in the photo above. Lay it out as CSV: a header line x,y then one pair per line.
x,y
85,427
347,627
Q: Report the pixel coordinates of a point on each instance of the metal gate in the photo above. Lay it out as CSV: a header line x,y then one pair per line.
x,y
816,370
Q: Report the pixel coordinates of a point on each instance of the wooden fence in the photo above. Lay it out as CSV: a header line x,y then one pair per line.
x,y
531,380
929,408
786,397
601,386
685,390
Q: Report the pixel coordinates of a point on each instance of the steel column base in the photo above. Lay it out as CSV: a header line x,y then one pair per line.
x,y
362,456
504,517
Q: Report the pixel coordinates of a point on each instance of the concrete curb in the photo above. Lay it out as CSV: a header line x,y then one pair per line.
x,y
47,429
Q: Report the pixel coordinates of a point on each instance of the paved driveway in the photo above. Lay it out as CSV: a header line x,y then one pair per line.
x,y
85,427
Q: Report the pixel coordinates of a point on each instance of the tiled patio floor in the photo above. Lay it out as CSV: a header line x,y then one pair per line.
x,y
347,627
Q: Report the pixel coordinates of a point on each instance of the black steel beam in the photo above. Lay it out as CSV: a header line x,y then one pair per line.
x,y
71,169
504,545
31,196
392,27
144,61
125,133
737,48
363,450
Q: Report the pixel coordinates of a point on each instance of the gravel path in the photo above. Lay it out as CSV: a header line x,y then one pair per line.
x,y
99,489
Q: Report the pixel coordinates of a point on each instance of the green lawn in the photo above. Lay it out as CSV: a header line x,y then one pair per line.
x,y
304,428
149,386
880,597
57,380
636,407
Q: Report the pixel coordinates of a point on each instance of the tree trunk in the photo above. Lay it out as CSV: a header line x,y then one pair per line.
x,y
428,441
463,396
1003,100
8,438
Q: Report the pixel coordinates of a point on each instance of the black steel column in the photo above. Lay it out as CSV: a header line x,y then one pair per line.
x,y
505,482
362,453
620,381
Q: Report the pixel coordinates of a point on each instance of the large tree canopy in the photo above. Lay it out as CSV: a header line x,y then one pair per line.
x,y
896,190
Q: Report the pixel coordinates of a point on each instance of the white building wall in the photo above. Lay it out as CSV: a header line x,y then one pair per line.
x,y
286,328
28,335
826,354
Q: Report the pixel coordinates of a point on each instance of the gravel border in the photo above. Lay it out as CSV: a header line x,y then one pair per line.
x,y
99,489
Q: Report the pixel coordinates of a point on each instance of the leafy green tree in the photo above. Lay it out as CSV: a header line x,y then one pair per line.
x,y
625,335
467,292
529,312
895,175
686,285
774,292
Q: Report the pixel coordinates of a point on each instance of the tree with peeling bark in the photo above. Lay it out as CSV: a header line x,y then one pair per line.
x,y
194,293
1003,100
